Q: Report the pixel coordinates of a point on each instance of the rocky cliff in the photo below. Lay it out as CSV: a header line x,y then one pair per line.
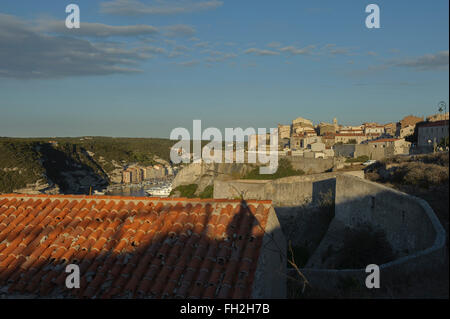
x,y
204,174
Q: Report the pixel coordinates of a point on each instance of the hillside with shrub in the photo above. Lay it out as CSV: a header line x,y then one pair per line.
x,y
62,161
425,176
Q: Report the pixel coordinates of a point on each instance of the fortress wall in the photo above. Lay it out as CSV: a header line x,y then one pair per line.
x,y
401,216
373,153
297,201
410,225
311,165
356,150
306,190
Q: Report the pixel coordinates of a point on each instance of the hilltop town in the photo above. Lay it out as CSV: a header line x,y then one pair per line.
x,y
81,165
411,134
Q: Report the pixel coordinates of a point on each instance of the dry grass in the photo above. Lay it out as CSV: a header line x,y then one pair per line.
x,y
420,174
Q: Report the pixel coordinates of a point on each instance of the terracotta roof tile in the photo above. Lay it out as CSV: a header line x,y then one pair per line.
x,y
130,247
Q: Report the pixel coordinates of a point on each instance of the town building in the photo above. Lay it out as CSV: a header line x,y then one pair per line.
x,y
430,133
345,138
311,154
326,128
437,117
390,129
126,176
351,129
317,146
255,139
301,122
373,128
329,140
398,145
406,131
137,175
284,131
410,120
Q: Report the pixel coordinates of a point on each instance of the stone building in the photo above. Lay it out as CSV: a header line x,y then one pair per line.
x,y
326,128
390,129
437,117
284,131
345,138
430,133
126,177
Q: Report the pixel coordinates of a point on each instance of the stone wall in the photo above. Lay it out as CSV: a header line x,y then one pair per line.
x,y
270,274
356,150
410,225
204,174
401,216
291,191
311,165
346,150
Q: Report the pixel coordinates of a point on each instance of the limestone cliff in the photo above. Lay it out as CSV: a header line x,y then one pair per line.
x,y
204,174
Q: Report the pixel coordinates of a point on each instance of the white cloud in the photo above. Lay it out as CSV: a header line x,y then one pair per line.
x,y
95,29
437,61
296,51
202,44
188,63
340,51
164,7
260,52
179,30
220,56
28,54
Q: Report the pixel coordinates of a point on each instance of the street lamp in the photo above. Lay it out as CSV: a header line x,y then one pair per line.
x,y
442,107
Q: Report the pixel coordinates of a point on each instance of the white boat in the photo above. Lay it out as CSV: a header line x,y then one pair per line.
x,y
159,191
96,192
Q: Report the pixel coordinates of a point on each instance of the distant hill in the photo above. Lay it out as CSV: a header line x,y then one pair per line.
x,y
84,161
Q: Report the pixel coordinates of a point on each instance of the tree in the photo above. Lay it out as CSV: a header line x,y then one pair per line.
x,y
444,142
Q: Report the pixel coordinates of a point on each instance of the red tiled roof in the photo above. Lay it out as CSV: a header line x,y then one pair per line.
x,y
349,134
129,246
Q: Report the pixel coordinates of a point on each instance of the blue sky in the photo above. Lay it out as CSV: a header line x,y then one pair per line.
x,y
142,68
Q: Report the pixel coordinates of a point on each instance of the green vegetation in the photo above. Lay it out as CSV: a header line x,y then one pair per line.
x,y
285,169
130,150
187,191
352,141
25,160
412,138
207,192
444,142
19,164
359,159
420,174
422,171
